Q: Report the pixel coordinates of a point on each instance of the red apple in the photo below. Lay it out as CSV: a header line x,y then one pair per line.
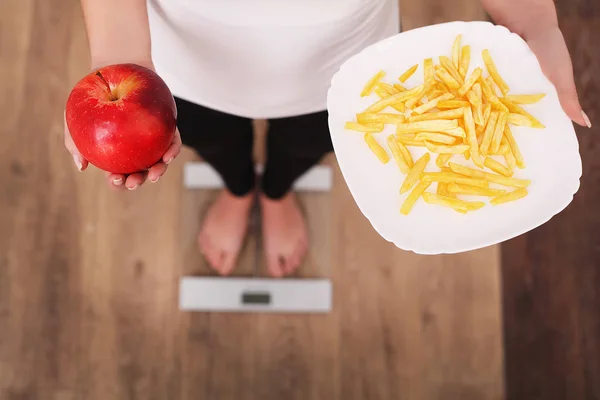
x,y
121,118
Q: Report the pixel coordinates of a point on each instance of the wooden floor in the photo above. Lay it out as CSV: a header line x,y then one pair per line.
x,y
89,277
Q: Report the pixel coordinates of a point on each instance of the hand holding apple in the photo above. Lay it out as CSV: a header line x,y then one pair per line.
x,y
122,119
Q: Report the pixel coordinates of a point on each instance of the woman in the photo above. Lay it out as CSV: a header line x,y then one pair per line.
x,y
230,61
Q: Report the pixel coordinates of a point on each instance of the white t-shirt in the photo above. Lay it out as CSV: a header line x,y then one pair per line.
x,y
262,58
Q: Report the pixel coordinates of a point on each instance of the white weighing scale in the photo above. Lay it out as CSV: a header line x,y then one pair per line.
x,y
287,295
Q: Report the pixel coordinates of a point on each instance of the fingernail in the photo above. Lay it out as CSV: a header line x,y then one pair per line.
x,y
133,188
118,181
170,159
155,180
588,123
78,163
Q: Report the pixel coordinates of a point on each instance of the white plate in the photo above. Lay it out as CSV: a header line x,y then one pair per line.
x,y
551,154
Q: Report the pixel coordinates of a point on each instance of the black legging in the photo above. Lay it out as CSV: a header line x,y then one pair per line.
x,y
225,141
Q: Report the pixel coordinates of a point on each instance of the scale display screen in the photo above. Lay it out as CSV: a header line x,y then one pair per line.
x,y
257,298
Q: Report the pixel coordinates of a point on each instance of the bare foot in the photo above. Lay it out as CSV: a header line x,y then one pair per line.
x,y
284,234
224,229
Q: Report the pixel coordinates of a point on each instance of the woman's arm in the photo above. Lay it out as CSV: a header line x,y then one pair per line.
x,y
522,15
537,23
118,31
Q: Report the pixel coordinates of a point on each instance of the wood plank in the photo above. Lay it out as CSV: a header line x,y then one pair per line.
x,y
551,275
41,297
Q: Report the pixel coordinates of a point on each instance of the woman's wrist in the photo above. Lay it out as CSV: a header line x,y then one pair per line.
x,y
99,62
531,31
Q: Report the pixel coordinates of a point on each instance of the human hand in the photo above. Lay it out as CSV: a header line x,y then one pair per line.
x,y
131,181
548,44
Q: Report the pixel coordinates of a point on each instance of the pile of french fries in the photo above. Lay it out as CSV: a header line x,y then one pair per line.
x,y
452,114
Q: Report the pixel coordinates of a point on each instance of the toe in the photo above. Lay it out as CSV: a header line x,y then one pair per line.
x,y
217,262
228,262
212,254
275,265
291,264
296,257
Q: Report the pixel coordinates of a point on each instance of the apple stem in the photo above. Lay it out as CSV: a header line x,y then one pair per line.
x,y
112,96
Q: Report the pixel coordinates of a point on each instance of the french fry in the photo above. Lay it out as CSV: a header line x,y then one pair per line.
x,y
442,189
459,205
498,132
510,161
452,104
412,142
519,120
369,118
465,59
414,100
474,101
512,196
457,132
435,137
408,73
399,107
428,71
376,148
435,93
490,96
504,148
412,198
405,153
456,52
492,84
455,188
493,71
452,70
497,167
373,128
381,92
415,172
397,154
411,135
394,99
454,177
441,86
387,87
514,147
432,103
399,87
525,98
477,111
427,126
478,99
481,128
458,149
513,108
445,77
499,179
487,110
472,137
489,133
470,82
442,159
440,115
370,85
